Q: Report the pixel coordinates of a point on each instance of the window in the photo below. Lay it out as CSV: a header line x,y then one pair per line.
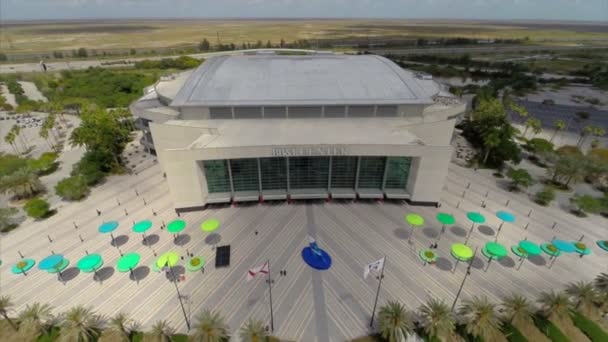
x,y
220,113
343,172
216,173
244,174
274,173
371,172
386,111
247,112
335,111
360,111
308,172
398,172
275,113
304,112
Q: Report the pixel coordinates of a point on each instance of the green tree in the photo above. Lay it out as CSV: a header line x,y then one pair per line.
x,y
554,305
210,327
539,146
489,108
586,204
37,208
34,320
584,133
394,322
560,126
253,331
6,218
519,178
5,306
72,188
204,45
584,296
490,141
82,53
101,131
80,324
534,124
23,183
545,196
9,138
438,320
45,164
567,168
162,331
521,111
480,319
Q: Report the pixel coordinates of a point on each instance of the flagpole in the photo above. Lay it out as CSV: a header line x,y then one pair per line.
x,y
270,293
371,323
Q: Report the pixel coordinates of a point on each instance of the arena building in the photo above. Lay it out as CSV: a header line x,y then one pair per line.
x,y
282,127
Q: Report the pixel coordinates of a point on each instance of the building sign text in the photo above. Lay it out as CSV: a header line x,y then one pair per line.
x,y
307,151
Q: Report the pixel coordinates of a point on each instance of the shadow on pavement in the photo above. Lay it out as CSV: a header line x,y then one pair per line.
x,y
443,264
458,231
140,273
401,233
120,240
70,274
507,262
105,273
430,233
151,240
182,239
486,230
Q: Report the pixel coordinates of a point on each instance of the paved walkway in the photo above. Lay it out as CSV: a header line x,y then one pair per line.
x,y
333,305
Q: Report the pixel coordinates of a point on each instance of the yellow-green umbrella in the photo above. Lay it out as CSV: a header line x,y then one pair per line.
x,y
210,225
414,220
168,259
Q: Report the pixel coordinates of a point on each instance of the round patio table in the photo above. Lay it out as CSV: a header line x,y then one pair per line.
x,y
550,249
142,227
564,246
428,256
22,266
581,248
175,227
90,263
414,220
210,225
193,268
108,227
128,262
603,244
445,219
168,259
460,252
520,252
493,250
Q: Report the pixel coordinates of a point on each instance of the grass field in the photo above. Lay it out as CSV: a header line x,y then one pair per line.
x,y
34,37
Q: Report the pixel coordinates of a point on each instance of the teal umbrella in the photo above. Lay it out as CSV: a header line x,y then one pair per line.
x,y
175,227
90,263
504,216
142,227
474,217
445,219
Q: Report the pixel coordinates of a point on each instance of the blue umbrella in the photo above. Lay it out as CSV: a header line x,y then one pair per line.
x,y
50,262
108,227
564,246
504,216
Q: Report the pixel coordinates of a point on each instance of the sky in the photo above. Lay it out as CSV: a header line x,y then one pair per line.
x,y
580,10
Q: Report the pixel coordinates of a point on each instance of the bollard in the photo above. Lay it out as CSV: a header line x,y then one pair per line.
x,y
530,213
582,237
487,193
458,205
153,212
483,204
49,237
145,203
469,185
20,255
136,193
126,213
507,204
554,224
463,193
81,239
117,201
527,224
75,225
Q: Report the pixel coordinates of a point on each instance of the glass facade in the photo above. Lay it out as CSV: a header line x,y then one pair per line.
x,y
307,173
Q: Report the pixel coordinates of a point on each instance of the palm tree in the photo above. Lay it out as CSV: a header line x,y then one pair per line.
x,y
559,125
437,319
517,309
490,141
394,322
5,306
601,283
162,331
534,124
122,324
23,183
210,327
584,133
34,320
554,305
584,295
9,138
253,331
480,319
80,324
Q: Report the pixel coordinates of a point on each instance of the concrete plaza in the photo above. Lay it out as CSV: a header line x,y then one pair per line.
x,y
332,305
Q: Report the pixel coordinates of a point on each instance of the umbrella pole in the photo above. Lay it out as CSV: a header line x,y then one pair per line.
x,y
455,266
144,238
112,235
179,296
552,261
441,232
411,233
489,262
470,232
521,263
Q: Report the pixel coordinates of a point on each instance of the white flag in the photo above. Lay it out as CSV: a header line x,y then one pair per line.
x,y
260,269
374,266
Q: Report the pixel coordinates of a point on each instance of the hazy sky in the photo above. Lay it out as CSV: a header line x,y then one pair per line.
x,y
596,10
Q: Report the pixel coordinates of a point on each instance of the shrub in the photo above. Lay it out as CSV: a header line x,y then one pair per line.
x,y
519,177
589,328
570,150
539,145
545,196
72,188
586,204
45,164
93,167
37,208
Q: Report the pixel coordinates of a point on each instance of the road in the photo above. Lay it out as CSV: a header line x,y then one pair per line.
x,y
547,114
489,48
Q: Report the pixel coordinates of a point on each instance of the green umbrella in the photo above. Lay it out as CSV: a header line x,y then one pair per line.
x,y
414,220
493,250
168,259
142,227
90,263
210,225
195,264
428,256
525,249
474,217
461,252
22,266
176,226
444,218
128,262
